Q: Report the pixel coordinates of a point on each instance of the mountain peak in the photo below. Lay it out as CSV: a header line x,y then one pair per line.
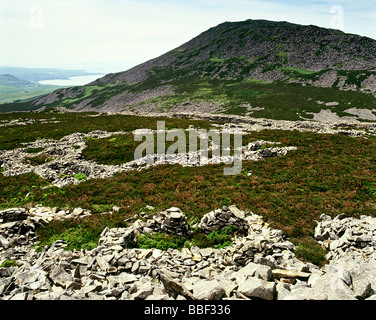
x,y
214,72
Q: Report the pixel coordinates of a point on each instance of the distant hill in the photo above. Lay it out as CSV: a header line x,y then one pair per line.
x,y
263,68
38,74
12,81
21,85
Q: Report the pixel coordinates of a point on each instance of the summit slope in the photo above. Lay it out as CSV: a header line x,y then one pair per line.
x,y
260,68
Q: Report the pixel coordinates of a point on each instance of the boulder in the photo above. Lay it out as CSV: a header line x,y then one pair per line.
x,y
333,287
257,288
174,288
60,277
208,290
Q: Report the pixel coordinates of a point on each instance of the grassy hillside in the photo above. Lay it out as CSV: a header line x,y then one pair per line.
x,y
329,174
273,100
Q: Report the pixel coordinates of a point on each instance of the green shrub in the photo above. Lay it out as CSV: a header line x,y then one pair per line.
x,y
8,264
370,189
34,150
215,239
307,249
78,237
222,238
80,176
160,241
38,160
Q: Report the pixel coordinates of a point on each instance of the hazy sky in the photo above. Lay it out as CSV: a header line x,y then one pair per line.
x,y
115,35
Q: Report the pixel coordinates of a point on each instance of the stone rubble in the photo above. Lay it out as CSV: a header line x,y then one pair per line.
x,y
260,263
171,221
347,236
352,128
219,219
66,158
24,122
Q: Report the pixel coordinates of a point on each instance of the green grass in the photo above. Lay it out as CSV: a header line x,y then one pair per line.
x,y
162,241
78,233
283,54
219,239
9,264
13,136
10,94
298,70
308,249
114,150
216,59
329,174
38,160
34,150
76,238
370,188
80,176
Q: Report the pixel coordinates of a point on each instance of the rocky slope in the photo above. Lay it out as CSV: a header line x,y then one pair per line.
x,y
260,263
227,68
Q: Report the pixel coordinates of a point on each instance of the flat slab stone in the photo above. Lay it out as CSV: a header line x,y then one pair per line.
x,y
281,273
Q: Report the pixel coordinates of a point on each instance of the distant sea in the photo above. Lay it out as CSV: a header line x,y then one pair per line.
x,y
72,81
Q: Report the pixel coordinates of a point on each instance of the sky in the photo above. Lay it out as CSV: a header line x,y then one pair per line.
x,y
115,35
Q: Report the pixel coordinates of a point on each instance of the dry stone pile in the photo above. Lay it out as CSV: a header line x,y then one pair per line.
x,y
18,225
219,219
351,128
65,158
347,236
260,263
171,221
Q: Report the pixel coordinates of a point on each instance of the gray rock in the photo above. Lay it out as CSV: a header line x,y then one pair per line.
x,y
333,287
174,288
32,279
301,292
258,265
222,218
13,214
257,288
158,297
143,291
4,243
60,277
246,272
264,272
208,290
280,273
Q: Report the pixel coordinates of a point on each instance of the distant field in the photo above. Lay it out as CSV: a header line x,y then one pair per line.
x,y
17,94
